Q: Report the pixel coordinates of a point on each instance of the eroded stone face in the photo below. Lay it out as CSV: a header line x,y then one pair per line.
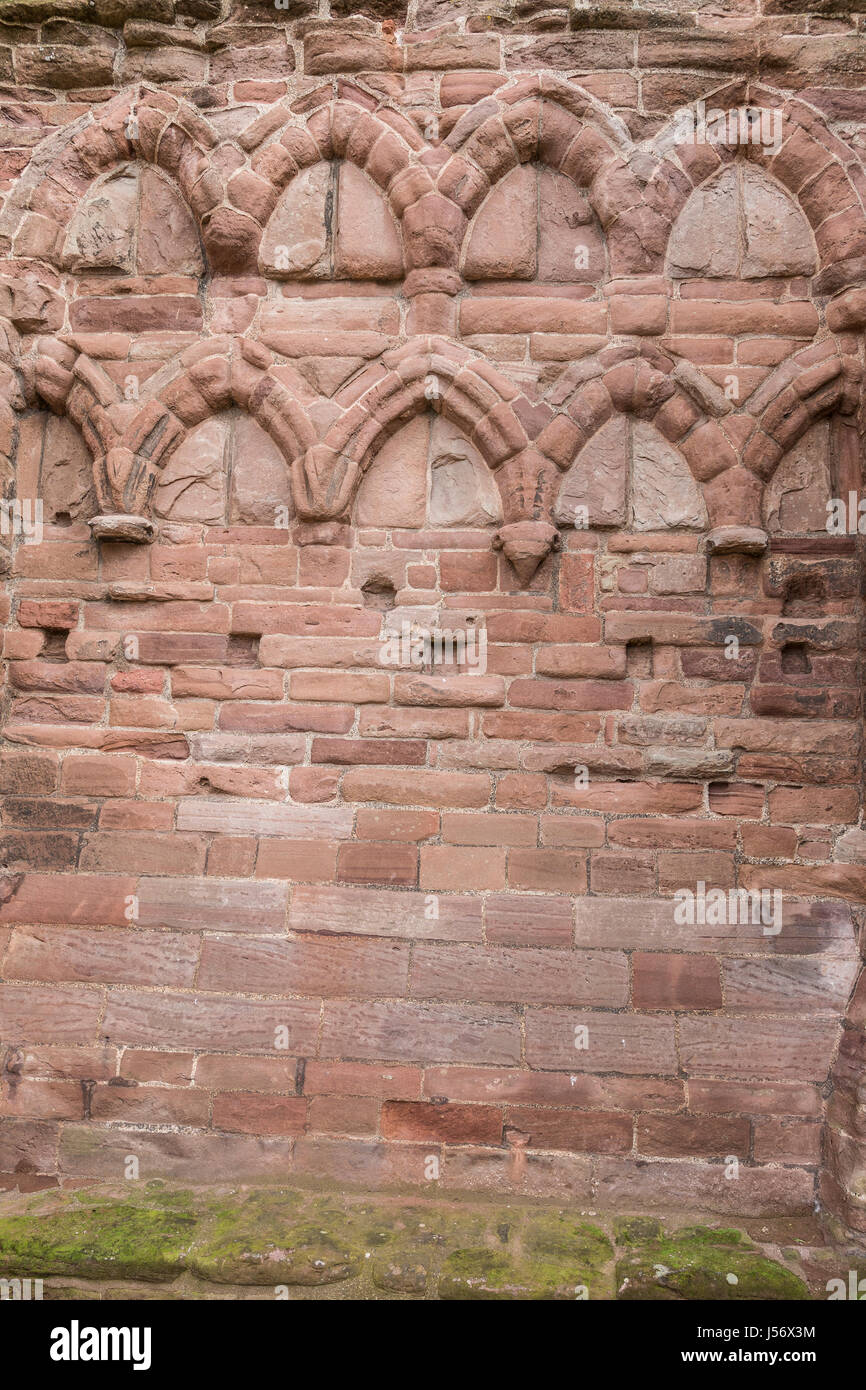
x,y
332,221
136,222
535,224
168,239
296,238
428,473
462,491
598,479
192,487
664,493
796,498
260,481
394,488
54,464
743,224
628,470
367,243
102,236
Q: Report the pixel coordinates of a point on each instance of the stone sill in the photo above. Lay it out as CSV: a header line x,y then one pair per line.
x,y
157,1241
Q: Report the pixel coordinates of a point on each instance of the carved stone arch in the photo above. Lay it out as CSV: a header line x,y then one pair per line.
x,y
384,146
153,126
547,121
13,398
810,163
821,380
233,372
344,129
634,387
426,373
128,458
74,385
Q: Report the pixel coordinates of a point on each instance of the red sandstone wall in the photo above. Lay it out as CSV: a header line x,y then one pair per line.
x,y
318,327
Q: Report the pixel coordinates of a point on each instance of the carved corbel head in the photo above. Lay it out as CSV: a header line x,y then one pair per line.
x,y
526,544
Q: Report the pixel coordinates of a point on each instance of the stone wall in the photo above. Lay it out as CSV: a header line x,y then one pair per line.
x,y
421,567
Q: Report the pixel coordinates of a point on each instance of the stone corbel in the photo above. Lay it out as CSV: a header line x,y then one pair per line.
x,y
324,483
119,476
527,483
526,544
737,540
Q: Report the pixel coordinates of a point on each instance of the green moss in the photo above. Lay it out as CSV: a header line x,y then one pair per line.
x,y
401,1272
555,1257
637,1229
260,1240
456,1250
117,1241
479,1274
700,1262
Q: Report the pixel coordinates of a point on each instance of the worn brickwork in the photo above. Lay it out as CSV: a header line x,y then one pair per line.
x,y
325,334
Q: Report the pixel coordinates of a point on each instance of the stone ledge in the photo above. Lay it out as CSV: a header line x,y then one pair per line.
x,y
156,1241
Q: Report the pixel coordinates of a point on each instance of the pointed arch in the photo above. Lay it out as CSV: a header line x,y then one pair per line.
x,y
158,128
426,373
810,162
346,129
820,380
631,385
229,372
547,120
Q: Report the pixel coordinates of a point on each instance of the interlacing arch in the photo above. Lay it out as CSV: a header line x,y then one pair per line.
x,y
808,160
425,373
153,126
211,378
820,380
545,120
731,465
381,143
637,193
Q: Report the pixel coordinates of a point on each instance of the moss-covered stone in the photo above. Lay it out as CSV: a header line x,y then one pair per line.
x,y
699,1262
567,1254
556,1257
260,1240
114,1240
401,1272
635,1230
213,1243
481,1274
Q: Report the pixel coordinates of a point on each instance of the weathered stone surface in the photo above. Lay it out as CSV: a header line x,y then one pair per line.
x,y
168,239
260,478
367,241
797,495
192,486
598,478
368,1245
664,493
462,491
741,224
297,238
102,234
394,489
